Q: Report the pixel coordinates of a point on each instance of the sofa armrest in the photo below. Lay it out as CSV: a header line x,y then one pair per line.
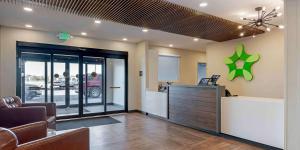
x,y
30,132
11,117
73,140
50,107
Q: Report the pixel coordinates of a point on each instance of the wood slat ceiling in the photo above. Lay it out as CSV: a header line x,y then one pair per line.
x,y
152,14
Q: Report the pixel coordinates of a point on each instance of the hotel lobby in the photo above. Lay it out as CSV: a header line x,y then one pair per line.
x,y
149,75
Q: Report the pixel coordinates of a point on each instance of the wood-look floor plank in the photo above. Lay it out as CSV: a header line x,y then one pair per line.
x,y
140,132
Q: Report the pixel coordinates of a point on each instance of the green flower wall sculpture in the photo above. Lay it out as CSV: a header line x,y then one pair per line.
x,y
241,55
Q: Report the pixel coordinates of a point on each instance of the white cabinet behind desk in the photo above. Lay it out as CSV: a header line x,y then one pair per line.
x,y
256,119
156,103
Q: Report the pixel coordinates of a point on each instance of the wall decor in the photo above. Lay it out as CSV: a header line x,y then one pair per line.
x,y
247,59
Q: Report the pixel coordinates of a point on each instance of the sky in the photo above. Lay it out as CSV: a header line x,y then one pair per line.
x,y
38,68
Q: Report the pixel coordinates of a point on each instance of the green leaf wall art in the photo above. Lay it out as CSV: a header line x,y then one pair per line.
x,y
248,60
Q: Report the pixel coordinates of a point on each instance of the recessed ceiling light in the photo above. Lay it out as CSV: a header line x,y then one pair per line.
x,y
28,25
196,39
203,4
281,26
264,8
240,27
145,30
171,45
277,8
28,9
268,29
242,34
279,14
124,39
97,21
83,33
254,36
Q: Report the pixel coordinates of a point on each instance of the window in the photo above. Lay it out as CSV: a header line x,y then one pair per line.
x,y
168,68
201,71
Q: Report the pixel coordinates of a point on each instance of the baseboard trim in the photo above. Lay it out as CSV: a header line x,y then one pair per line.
x,y
155,116
134,111
148,114
260,145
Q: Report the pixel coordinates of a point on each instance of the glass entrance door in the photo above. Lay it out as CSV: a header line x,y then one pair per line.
x,y
34,79
115,87
93,83
65,84
81,83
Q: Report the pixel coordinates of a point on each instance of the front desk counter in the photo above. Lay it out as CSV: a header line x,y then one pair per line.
x,y
198,107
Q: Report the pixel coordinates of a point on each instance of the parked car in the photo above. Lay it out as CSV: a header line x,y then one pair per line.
x,y
94,86
32,91
60,82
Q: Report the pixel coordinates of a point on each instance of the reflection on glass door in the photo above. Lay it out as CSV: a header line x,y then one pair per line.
x,y
93,85
115,84
65,84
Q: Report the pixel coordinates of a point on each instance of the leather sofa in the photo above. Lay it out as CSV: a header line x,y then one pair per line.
x,y
33,137
14,113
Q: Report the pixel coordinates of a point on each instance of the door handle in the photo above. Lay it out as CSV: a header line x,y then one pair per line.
x,y
115,87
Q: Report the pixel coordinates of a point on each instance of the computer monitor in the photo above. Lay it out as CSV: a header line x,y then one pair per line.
x,y
204,81
209,81
214,78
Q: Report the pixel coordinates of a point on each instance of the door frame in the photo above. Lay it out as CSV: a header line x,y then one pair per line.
x,y
199,63
77,51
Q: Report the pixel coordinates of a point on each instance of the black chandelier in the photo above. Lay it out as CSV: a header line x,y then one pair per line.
x,y
263,19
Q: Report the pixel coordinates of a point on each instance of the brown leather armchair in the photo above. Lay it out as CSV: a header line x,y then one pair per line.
x,y
33,137
13,113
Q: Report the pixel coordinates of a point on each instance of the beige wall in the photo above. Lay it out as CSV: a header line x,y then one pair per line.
x,y
268,71
9,36
188,64
292,63
152,70
140,65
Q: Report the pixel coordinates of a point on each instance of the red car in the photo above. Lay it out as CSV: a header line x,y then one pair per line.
x,y
94,85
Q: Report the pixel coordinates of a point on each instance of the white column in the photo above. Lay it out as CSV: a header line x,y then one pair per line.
x,y
140,65
292,90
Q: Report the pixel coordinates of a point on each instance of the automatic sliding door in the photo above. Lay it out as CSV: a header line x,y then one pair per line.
x,y
81,83
34,79
93,101
115,84
65,84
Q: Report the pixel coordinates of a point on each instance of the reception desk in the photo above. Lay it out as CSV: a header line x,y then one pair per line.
x,y
198,107
254,118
